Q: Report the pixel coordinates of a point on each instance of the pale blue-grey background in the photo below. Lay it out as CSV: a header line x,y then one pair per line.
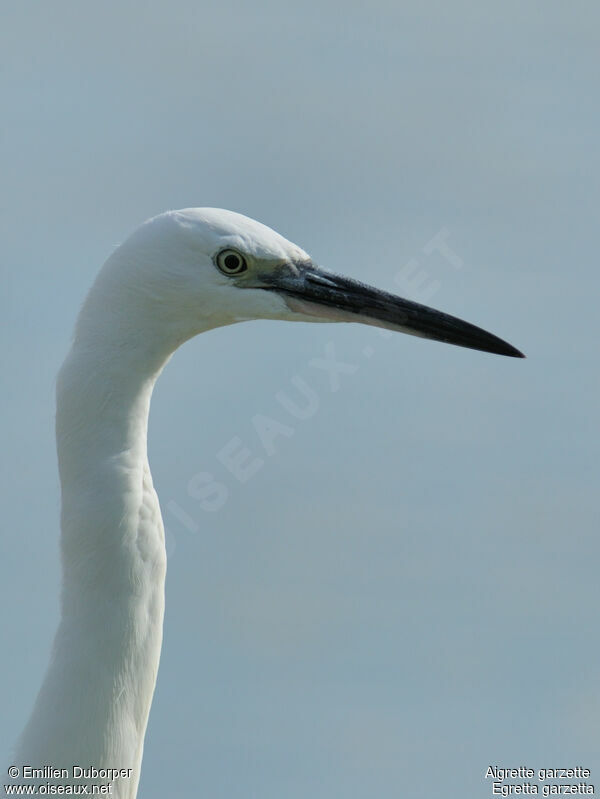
x,y
408,590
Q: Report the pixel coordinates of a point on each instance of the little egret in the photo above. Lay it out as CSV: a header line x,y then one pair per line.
x,y
179,274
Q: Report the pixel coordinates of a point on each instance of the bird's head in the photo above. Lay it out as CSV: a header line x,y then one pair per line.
x,y
187,271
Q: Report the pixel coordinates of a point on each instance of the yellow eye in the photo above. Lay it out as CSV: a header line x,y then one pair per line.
x,y
231,262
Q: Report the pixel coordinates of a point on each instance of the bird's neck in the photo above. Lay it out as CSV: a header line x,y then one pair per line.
x,y
94,704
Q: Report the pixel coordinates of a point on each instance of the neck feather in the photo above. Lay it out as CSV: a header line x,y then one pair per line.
x,y
93,706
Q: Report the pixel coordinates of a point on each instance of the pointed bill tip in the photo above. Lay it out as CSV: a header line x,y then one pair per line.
x,y
500,347
515,353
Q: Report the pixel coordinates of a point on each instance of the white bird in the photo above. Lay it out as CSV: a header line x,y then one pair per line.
x,y
179,274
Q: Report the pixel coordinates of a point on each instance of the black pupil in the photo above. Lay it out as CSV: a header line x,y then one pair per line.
x,y
232,261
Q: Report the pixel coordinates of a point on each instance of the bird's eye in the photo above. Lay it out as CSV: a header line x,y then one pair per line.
x,y
231,262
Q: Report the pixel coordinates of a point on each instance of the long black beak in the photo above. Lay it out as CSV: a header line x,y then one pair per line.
x,y
318,294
